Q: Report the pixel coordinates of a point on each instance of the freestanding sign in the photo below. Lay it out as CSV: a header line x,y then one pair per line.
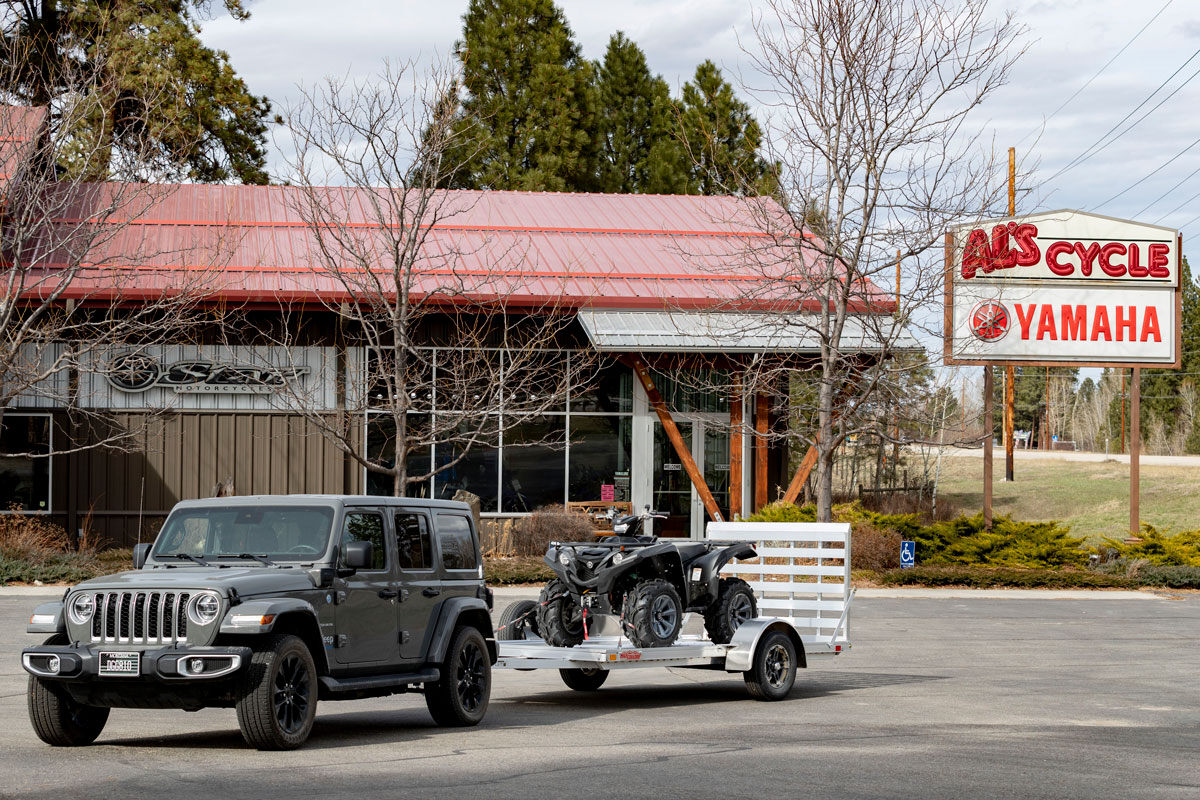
x,y
1063,287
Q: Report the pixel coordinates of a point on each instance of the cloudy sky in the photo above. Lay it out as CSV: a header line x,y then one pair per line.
x,y
1069,44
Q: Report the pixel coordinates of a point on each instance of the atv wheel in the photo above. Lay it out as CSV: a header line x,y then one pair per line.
x,y
652,614
773,672
518,621
735,605
584,679
559,617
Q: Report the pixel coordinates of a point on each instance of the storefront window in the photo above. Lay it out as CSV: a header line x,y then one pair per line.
x,y
694,391
24,463
605,388
476,472
534,464
381,444
601,455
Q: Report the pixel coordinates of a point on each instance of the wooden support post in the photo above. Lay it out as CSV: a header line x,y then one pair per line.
x,y
676,439
1009,372
735,449
806,466
760,451
987,448
1135,434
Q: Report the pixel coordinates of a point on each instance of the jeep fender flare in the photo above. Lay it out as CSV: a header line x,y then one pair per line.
x,y
54,610
469,610
287,615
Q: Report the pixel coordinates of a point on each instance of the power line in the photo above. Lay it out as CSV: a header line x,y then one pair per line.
x,y
1089,151
1099,71
1161,167
1176,208
1167,192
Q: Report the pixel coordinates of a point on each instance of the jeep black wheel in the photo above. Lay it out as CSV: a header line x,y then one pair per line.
x,y
460,697
735,605
652,614
278,700
57,718
559,617
584,679
773,672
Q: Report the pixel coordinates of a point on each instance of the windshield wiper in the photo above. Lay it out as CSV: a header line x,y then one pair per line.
x,y
266,562
188,556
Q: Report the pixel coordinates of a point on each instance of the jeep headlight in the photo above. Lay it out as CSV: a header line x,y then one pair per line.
x,y
563,558
203,608
83,606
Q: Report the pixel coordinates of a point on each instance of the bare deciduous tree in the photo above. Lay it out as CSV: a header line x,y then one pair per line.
x,y
868,107
450,349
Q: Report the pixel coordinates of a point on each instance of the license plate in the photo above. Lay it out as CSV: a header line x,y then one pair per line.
x,y
123,664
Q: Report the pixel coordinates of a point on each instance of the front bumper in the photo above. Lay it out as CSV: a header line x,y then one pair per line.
x,y
81,663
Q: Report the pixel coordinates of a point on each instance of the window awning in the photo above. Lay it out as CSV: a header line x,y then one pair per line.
x,y
721,332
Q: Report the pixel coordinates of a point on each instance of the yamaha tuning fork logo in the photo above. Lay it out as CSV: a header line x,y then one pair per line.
x,y
989,321
138,372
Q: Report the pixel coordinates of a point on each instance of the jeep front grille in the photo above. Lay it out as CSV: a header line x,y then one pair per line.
x,y
140,617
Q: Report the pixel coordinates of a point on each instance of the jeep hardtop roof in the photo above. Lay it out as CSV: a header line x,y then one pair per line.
x,y
335,500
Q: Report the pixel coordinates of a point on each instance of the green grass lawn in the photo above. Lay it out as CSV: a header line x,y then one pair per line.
x,y
1093,498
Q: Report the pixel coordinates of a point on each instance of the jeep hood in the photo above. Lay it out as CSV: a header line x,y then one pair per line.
x,y
245,580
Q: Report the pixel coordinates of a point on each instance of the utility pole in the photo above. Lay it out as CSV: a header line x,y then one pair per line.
x,y
1009,371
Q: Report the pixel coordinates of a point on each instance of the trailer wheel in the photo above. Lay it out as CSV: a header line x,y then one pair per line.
x,y
518,621
586,679
773,672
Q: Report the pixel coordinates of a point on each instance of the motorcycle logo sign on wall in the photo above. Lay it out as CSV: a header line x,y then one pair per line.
x,y
1063,287
137,372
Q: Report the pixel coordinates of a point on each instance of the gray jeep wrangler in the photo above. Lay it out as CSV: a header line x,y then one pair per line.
x,y
267,605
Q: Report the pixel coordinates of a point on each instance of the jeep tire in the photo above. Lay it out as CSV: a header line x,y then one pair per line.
x,y
278,698
652,614
735,605
460,697
57,718
559,617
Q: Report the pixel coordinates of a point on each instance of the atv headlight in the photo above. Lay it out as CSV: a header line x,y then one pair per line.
x,y
563,558
621,528
83,605
618,558
203,608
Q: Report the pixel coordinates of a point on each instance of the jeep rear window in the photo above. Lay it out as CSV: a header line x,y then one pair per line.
x,y
412,541
281,533
457,545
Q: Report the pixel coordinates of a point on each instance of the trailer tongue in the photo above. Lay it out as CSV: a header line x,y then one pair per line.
x,y
801,575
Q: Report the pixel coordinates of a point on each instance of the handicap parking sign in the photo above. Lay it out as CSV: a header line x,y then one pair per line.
x,y
908,554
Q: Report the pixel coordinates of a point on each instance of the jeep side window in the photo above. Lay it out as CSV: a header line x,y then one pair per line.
x,y
455,541
413,546
363,526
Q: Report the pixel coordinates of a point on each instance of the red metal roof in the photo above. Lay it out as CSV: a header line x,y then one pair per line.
x,y
252,244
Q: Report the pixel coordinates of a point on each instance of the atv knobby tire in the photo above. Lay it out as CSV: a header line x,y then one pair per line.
x,y
57,718
559,617
652,614
735,605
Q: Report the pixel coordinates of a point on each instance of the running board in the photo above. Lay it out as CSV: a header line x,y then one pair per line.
x,y
372,682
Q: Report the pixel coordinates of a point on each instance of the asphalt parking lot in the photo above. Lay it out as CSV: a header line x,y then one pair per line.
x,y
947,697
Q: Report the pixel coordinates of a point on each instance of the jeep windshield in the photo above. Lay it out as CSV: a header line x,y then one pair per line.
x,y
277,533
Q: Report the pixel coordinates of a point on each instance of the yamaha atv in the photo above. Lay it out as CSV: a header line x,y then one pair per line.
x,y
648,582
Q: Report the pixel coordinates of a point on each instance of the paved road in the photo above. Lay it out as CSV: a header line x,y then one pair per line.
x,y
1067,455
952,697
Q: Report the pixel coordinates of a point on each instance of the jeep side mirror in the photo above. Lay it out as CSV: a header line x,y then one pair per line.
x,y
357,555
140,553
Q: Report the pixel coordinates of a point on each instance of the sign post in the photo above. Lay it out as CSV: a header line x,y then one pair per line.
x,y
1064,288
1010,375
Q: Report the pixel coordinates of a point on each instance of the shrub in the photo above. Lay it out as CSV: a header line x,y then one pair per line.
x,y
874,548
973,577
532,535
516,569
779,511
1156,547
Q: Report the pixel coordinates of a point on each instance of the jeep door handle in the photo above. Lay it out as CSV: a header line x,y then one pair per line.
x,y
387,593
431,592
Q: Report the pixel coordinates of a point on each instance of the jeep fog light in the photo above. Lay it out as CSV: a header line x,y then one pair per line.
x,y
563,558
196,666
203,608
83,605
53,665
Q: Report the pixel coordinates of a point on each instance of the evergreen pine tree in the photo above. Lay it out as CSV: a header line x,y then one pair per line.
x,y
722,138
527,100
635,125
1162,396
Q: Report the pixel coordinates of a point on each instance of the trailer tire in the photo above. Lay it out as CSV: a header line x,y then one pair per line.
x,y
586,679
559,617
517,622
652,614
735,605
773,672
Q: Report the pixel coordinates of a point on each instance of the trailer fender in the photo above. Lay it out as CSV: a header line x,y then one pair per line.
x,y
745,642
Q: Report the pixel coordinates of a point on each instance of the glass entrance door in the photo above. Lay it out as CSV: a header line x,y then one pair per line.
x,y
707,438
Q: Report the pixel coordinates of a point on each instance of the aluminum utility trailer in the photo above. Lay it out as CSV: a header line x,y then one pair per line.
x,y
801,580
